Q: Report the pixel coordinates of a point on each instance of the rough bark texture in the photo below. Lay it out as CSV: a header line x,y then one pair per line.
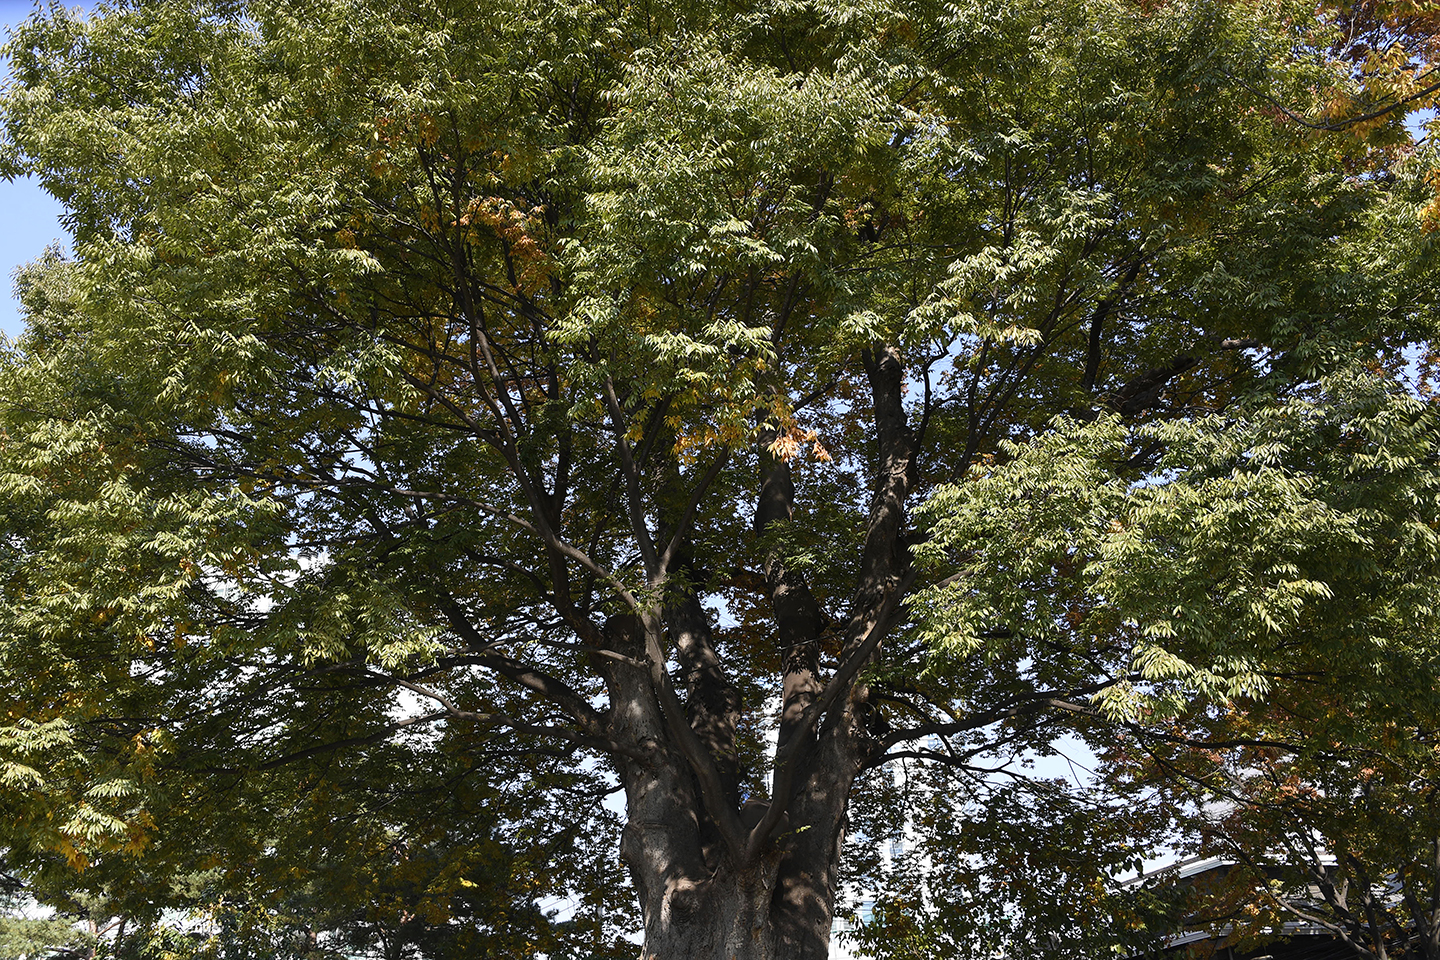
x,y
693,905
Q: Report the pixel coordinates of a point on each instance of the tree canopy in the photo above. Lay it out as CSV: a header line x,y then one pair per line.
x,y
453,414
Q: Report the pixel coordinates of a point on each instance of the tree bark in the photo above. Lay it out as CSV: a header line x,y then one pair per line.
x,y
695,901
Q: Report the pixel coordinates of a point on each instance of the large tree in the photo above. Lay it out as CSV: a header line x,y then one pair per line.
x,y
520,398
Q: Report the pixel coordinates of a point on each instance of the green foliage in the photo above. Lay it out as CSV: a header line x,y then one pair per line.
x,y
23,934
1312,516
400,338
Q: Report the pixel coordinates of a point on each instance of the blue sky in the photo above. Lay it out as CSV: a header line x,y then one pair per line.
x,y
29,220
29,217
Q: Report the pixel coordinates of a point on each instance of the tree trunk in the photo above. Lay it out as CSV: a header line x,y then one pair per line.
x,y
696,902
725,917
778,908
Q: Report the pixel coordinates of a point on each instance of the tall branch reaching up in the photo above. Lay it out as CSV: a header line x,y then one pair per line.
x,y
798,617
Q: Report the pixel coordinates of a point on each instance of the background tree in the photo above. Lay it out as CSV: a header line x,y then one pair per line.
x,y
23,934
1325,810
550,393
1017,866
1354,856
